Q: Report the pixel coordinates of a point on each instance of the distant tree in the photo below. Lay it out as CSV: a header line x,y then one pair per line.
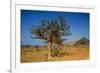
x,y
25,46
51,31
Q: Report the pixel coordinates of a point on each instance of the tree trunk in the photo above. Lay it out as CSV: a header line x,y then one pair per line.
x,y
49,49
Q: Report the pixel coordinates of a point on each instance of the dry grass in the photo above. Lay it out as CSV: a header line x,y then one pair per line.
x,y
39,54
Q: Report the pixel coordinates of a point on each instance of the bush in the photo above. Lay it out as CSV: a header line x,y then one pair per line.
x,y
55,52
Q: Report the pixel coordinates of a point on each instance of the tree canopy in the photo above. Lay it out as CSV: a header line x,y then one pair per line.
x,y
51,30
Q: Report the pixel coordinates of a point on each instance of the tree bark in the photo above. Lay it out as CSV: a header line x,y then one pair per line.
x,y
49,49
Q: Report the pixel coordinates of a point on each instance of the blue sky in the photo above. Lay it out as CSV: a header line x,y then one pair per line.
x,y
79,24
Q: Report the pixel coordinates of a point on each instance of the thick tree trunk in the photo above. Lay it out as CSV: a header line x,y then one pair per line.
x,y
49,49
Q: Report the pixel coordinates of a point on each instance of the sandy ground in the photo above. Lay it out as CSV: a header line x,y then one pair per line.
x,y
29,55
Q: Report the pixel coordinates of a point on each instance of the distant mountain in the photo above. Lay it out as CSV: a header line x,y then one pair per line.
x,y
82,41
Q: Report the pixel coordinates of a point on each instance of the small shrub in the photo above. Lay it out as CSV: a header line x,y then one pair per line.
x,y
38,49
55,52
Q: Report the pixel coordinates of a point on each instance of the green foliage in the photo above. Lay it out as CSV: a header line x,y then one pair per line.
x,y
55,52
